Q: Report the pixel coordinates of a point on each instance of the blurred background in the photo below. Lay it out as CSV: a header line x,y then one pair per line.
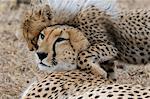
x,y
17,63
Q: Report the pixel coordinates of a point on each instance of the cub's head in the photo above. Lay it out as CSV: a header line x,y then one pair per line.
x,y
58,47
34,21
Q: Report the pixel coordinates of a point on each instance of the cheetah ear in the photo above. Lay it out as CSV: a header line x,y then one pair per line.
x,y
42,12
47,12
77,39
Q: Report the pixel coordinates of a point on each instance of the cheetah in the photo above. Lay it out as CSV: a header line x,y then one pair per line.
x,y
77,84
59,48
127,33
63,47
37,20
123,37
131,32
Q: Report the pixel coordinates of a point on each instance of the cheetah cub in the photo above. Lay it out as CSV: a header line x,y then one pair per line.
x,y
80,17
57,12
124,37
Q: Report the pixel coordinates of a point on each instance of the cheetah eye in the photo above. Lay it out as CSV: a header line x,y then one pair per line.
x,y
42,36
60,39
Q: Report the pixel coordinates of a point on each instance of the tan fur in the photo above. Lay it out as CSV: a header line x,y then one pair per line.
x,y
78,84
34,21
64,53
54,12
76,37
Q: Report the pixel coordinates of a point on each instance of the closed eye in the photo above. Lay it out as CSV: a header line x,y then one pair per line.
x,y
60,39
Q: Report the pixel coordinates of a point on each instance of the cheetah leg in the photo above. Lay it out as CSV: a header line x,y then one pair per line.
x,y
97,70
99,59
89,62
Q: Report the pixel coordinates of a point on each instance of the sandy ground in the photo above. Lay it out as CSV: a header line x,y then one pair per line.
x,y
17,66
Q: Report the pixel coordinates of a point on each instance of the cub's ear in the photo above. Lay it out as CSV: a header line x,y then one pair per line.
x,y
43,12
77,39
47,12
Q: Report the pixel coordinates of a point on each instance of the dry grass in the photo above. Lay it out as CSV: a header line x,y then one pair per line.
x,y
17,63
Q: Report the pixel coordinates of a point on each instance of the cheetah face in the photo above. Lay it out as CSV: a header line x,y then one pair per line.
x,y
59,47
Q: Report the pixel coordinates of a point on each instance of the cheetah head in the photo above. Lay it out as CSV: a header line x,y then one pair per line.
x,y
34,21
59,47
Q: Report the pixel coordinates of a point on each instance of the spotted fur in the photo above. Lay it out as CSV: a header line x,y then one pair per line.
x,y
78,84
123,37
52,12
66,48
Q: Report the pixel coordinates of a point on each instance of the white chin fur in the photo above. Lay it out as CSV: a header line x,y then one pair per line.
x,y
44,68
37,60
56,68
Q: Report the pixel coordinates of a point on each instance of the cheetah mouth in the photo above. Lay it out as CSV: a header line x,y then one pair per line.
x,y
41,63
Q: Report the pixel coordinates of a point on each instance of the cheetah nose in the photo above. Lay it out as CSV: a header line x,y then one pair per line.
x,y
42,55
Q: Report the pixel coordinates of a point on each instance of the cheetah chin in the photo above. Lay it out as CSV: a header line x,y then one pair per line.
x,y
58,68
